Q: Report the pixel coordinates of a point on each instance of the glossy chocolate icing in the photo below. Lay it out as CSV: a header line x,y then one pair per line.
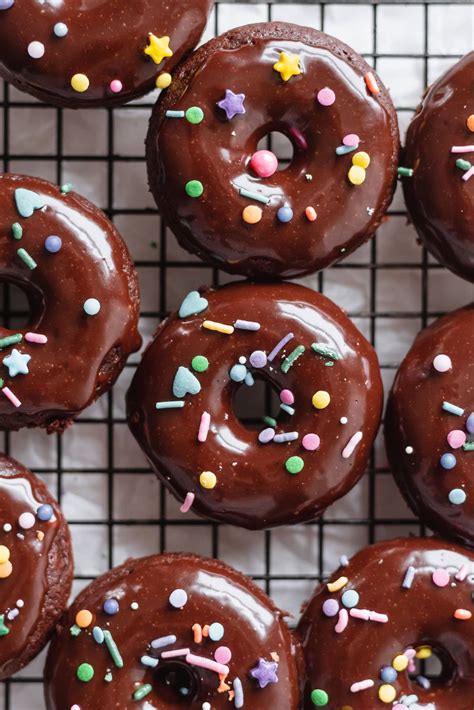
x,y
439,201
253,629
253,488
106,40
41,559
418,616
415,418
217,152
84,354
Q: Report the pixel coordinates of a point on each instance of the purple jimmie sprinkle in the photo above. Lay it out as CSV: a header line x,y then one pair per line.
x,y
279,346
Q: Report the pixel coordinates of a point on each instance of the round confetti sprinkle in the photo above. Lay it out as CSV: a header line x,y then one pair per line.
x,y
178,598
258,359
326,97
350,598
208,480
285,214
194,188
36,50
26,521
440,577
199,363
311,214
356,175
448,461
216,631
91,306
409,450
331,607
266,435
470,122
194,115
20,603
223,654
361,159
116,86
470,423
6,569
456,438
388,674
400,662
111,606
457,496
84,618
252,214
310,442
80,83
442,363
4,554
60,29
294,464
319,697
321,399
7,527
287,397
264,163
351,140
134,606
85,672
53,244
343,420
387,693
45,512
163,80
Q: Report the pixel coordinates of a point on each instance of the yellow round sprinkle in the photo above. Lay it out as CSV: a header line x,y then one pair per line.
x,y
470,122
337,585
356,175
208,480
252,214
361,159
321,399
424,652
80,83
400,662
84,618
4,554
6,569
163,80
387,693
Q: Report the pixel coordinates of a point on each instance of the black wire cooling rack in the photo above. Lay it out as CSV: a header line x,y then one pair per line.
x,y
159,274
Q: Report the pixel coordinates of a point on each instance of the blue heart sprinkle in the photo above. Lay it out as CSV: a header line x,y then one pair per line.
x,y
185,383
27,201
6,4
193,304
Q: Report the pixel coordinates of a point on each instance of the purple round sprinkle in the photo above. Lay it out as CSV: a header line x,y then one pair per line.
x,y
266,435
6,4
470,423
330,607
111,606
45,512
258,358
53,244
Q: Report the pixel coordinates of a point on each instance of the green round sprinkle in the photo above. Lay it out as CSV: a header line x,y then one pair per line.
x,y
195,115
319,698
194,188
294,464
66,188
199,363
17,230
85,672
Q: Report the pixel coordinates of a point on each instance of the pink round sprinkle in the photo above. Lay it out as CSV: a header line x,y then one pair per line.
x,y
264,163
442,363
311,442
116,86
223,654
351,140
441,577
326,96
287,397
456,438
400,706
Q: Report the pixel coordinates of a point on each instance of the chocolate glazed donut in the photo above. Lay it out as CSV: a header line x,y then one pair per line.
x,y
439,149
225,200
429,426
180,403
35,566
96,53
394,604
173,631
84,304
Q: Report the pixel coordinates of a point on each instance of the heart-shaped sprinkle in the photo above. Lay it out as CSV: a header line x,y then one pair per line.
x,y
6,4
185,383
193,304
27,201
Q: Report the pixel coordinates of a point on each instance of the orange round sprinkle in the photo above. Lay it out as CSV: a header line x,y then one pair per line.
x,y
6,569
252,214
470,122
83,618
310,213
462,614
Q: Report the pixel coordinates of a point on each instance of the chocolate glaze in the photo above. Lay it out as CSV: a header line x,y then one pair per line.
x,y
84,354
42,568
418,616
439,201
253,488
253,629
217,152
415,418
106,41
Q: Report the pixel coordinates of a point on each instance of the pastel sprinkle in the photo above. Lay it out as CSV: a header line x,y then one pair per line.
x,y
176,653
208,480
98,635
405,172
37,338
294,464
80,83
111,606
285,214
319,697
326,96
149,661
247,325
453,409
321,399
258,359
258,198
207,663
287,436
252,214
448,461
13,398
457,496
163,80
342,621
174,404
175,114
456,438
470,122
387,693
204,427
345,149
116,86
223,654
463,614
468,175
85,672
192,304
286,408
216,631
463,164
440,577
311,442
26,258
60,29
188,501
266,435
310,214
200,363
337,585
91,306
194,115
442,363
352,445
239,693
362,685
218,327
36,49
163,641
462,573
470,423
113,649
194,188
17,231
279,346
10,340
264,163
371,83
287,397
291,359
331,607
325,351
409,577
388,674
142,691
462,149
350,598
178,598
352,140
400,663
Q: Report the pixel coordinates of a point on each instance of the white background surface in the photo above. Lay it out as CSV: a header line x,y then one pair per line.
x,y
125,515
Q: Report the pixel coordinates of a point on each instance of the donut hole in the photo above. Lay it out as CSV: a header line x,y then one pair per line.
x,y
439,668
20,304
252,404
280,144
176,682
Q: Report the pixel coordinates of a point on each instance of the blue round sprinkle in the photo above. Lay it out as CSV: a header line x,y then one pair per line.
x,y
448,461
238,373
53,244
285,214
45,512
388,674
350,598
60,29
111,606
216,631
457,496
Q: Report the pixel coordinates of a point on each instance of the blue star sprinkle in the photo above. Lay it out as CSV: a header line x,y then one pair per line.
x,y
233,104
17,363
265,672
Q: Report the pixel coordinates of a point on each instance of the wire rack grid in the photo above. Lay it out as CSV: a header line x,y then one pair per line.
x,y
390,288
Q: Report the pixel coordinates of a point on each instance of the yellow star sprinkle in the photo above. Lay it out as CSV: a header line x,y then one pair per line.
x,y
159,48
288,65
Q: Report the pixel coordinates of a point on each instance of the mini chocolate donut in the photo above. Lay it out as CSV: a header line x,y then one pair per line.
x,y
365,633
324,373
36,566
84,303
99,53
173,631
429,426
225,199
439,154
